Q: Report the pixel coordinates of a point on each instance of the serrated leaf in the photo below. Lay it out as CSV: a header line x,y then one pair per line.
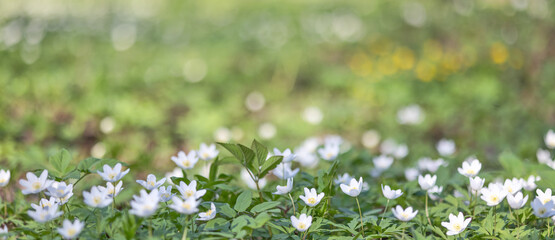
x,y
243,201
260,150
227,210
60,162
270,164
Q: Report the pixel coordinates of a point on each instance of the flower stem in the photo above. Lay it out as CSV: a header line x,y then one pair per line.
x,y
360,213
494,220
293,203
384,211
184,236
427,214
259,192
149,228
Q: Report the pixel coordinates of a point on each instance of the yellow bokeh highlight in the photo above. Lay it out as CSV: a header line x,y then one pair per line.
x,y
385,66
432,51
403,58
360,64
425,71
499,53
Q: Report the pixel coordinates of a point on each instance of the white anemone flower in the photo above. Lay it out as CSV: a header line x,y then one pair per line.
x,y
46,214
470,169
544,197
427,164
111,190
354,188
517,201
390,193
4,177
543,210
112,174
530,184
493,194
456,224
59,189
550,139
187,206
190,190
145,204
207,152
287,155
427,182
165,193
35,184
434,192
513,185
343,179
329,152
411,174
404,215
71,230
281,190
283,171
208,215
311,197
97,198
476,184
302,223
151,182
185,161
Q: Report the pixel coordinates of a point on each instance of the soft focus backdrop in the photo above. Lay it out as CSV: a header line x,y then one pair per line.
x,y
140,80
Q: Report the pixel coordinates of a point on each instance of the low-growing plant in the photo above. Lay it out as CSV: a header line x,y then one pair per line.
x,y
392,201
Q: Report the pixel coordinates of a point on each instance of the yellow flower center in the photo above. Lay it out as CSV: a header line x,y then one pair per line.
x,y
205,155
311,200
329,155
71,232
404,215
186,163
189,193
494,199
151,183
457,227
187,206
96,200
302,226
470,171
111,175
36,185
542,211
209,212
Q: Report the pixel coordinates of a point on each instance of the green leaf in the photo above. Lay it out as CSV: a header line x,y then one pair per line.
x,y
248,159
87,164
243,201
270,164
264,206
60,162
227,210
260,220
261,151
234,150
214,170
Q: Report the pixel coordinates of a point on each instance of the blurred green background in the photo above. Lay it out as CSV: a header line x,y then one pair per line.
x,y
139,80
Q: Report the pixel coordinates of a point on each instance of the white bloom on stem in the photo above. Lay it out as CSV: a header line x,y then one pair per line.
x,y
530,184
71,230
544,156
517,201
329,152
382,162
544,197
35,184
434,192
427,182
456,224
97,198
288,156
281,190
353,189
391,194
4,177
427,164
513,186
302,223
401,151
112,174
208,215
112,190
411,174
190,190
187,206
151,182
44,203
185,161
43,215
446,147
543,210
311,197
470,169
146,204
493,194
343,179
404,215
550,139
476,184
59,189
283,171
208,152
165,193
247,179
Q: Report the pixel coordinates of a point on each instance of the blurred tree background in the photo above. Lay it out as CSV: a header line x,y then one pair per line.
x,y
139,80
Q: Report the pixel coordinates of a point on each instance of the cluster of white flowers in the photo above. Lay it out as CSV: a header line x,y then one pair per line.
x,y
543,155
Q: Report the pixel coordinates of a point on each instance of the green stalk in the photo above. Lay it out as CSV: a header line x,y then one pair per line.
x,y
427,214
360,213
293,203
384,211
